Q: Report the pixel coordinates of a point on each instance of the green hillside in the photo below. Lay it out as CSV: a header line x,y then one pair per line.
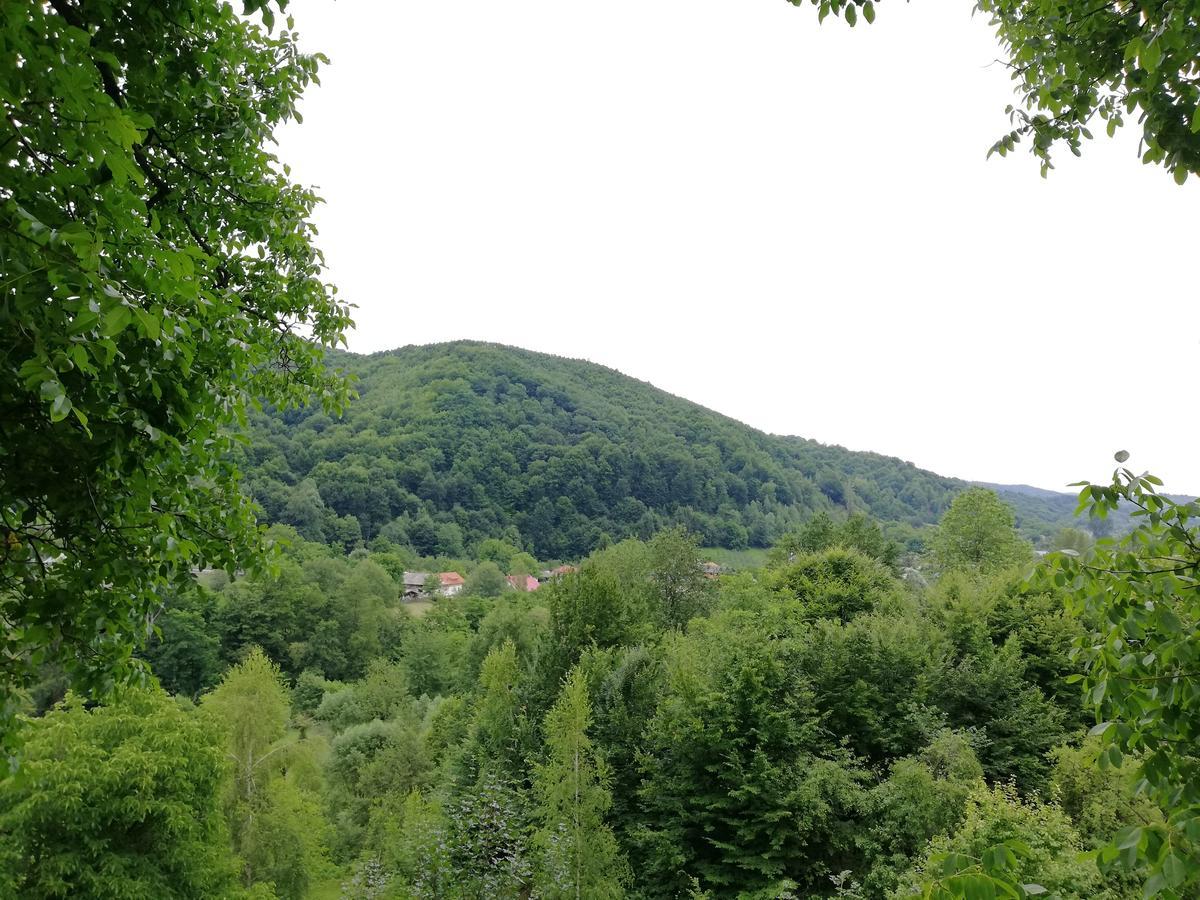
x,y
452,443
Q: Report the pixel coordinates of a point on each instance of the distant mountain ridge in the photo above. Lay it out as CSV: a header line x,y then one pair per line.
x,y
452,443
1026,489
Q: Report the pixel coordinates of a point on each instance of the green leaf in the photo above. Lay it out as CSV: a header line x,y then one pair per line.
x,y
953,863
1019,847
869,13
1154,886
1150,56
1128,837
1174,870
116,320
60,408
978,887
149,323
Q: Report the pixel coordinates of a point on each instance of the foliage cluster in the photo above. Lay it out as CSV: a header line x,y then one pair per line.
x,y
157,278
817,728
453,444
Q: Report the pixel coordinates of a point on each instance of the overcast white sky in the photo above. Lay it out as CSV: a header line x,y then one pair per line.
x,y
789,223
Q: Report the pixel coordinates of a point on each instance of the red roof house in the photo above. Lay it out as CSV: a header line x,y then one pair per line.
x,y
531,583
452,583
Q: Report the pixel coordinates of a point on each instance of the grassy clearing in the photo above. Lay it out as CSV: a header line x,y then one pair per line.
x,y
418,608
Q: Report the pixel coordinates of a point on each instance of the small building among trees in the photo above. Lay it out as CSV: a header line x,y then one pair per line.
x,y
424,585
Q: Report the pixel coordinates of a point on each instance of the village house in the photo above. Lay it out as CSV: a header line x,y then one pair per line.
x,y
561,571
451,583
529,583
414,585
710,569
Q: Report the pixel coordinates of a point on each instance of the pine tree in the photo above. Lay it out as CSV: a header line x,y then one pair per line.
x,y
578,855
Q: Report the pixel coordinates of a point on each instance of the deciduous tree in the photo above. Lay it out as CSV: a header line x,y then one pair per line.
x,y
1140,597
977,534
1074,61
121,800
578,855
159,275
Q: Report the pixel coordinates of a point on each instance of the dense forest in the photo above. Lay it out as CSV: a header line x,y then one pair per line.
x,y
817,728
896,694
453,443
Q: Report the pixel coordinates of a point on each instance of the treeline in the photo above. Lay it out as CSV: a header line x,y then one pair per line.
x,y
454,443
818,728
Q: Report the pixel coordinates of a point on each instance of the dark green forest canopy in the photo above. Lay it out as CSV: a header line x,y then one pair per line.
x,y
452,443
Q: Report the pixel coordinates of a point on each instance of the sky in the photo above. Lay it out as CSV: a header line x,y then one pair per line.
x,y
792,224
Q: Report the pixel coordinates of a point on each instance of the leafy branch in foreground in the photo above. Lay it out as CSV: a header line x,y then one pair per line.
x,y
1074,60
158,276
1140,598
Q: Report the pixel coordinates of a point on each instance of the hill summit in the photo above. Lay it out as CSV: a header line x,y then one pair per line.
x,y
451,443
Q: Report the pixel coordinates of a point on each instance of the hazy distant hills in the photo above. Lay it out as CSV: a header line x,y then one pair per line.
x,y
1026,489
451,443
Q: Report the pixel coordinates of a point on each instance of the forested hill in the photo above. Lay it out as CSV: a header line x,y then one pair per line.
x,y
451,443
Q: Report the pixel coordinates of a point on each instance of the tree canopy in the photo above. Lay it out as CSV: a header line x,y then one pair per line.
x,y
633,728
480,448
977,534
1140,596
159,276
117,801
1074,60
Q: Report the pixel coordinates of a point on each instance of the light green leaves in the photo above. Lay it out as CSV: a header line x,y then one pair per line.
x,y
60,407
1150,55
116,320
1142,660
93,778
